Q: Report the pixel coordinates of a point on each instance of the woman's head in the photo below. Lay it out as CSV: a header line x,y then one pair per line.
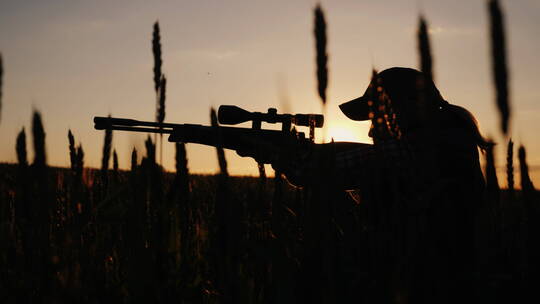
x,y
413,99
412,95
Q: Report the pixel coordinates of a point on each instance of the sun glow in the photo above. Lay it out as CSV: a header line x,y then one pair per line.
x,y
346,132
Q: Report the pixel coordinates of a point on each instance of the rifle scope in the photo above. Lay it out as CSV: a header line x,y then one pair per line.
x,y
232,115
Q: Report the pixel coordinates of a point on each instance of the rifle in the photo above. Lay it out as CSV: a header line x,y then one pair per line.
x,y
245,141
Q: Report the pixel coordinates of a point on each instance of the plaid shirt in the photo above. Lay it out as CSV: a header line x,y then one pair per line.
x,y
353,165
360,165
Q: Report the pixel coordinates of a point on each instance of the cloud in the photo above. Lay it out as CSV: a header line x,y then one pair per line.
x,y
454,31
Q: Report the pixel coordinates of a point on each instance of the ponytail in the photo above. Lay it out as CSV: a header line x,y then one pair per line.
x,y
469,123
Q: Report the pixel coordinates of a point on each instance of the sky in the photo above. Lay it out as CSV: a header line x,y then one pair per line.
x,y
73,60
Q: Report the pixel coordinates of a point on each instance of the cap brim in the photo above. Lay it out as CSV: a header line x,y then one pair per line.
x,y
356,109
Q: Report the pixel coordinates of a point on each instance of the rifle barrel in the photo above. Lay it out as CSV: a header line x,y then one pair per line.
x,y
135,129
109,122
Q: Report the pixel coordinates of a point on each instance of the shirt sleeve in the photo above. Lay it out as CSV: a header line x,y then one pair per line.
x,y
345,165
352,167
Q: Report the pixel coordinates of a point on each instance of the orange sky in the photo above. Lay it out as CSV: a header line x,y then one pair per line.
x,y
75,60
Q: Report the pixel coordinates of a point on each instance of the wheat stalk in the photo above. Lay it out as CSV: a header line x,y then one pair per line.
x,y
322,56
161,112
159,84
161,104
1,83
150,150
262,172
492,182
107,143
510,166
41,206
182,170
40,158
526,183
181,159
72,150
115,161
500,70
424,49
156,49
106,155
133,159
223,237
21,148
80,160
221,154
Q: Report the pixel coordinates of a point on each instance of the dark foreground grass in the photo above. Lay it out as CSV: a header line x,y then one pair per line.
x,y
137,239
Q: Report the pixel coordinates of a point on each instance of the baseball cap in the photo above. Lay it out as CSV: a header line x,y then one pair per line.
x,y
401,84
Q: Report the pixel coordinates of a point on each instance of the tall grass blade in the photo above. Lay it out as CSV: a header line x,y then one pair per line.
x,y
527,214
150,150
185,211
22,193
161,94
424,48
133,160
181,158
161,112
21,148
322,56
492,183
1,83
139,274
510,167
526,183
80,161
182,170
156,49
492,195
116,176
72,150
115,161
41,207
498,56
262,173
106,156
40,158
220,152
222,239
107,146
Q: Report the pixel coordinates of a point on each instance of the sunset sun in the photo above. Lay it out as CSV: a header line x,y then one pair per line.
x,y
347,131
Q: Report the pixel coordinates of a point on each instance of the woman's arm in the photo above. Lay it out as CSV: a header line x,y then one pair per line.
x,y
341,164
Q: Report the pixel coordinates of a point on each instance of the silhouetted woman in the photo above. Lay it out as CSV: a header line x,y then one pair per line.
x,y
421,181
